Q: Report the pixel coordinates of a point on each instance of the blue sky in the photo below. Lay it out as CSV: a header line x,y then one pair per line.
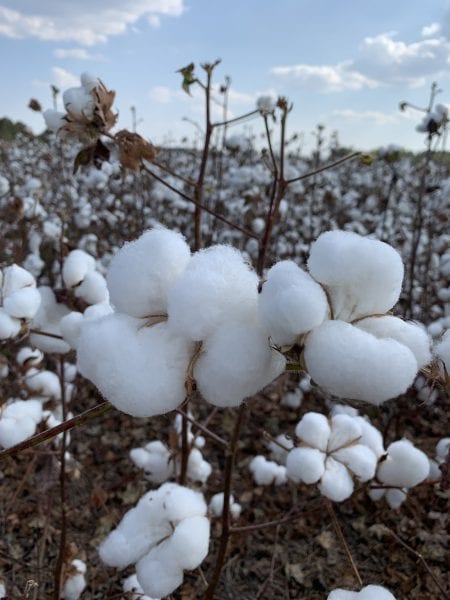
x,y
344,64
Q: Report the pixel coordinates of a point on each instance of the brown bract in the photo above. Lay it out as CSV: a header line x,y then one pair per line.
x,y
133,149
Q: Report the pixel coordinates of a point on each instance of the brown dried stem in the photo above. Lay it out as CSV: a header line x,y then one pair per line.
x,y
341,537
336,163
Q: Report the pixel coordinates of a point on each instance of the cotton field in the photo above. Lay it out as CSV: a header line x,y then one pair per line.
x,y
224,366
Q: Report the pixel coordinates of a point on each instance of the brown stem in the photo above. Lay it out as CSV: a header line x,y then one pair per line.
x,y
325,167
236,119
39,438
276,522
203,428
173,173
340,535
226,529
185,449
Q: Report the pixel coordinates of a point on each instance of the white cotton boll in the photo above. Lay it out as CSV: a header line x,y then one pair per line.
x,y
146,380
290,303
142,273
45,383
344,431
305,464
70,326
23,303
18,421
76,265
265,104
314,429
442,448
216,506
258,225
4,189
93,288
48,319
180,502
360,459
54,119
395,497
442,350
266,472
404,466
236,362
190,541
132,586
34,264
158,578
79,102
9,327
98,310
292,399
155,459
351,363
343,409
75,584
88,81
280,447
370,592
336,483
410,334
217,286
198,469
29,357
16,278
371,437
363,276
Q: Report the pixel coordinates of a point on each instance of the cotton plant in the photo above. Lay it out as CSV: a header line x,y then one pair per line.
x,y
331,452
166,533
403,467
19,300
369,592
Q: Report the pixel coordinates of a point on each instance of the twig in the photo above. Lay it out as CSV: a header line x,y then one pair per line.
x,y
202,428
276,522
226,529
340,535
236,119
325,167
46,334
39,438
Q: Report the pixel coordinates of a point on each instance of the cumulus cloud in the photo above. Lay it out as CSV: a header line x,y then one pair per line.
x,y
64,79
327,78
77,53
430,29
81,21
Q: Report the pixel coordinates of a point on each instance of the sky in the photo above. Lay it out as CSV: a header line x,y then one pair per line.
x,y
343,64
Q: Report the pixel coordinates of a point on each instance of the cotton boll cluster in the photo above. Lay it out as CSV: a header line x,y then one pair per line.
x,y
80,275
369,592
166,533
19,300
267,472
216,506
75,583
332,452
403,467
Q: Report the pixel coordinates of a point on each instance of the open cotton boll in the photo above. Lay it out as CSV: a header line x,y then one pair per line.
x,y
48,319
290,303
23,303
76,266
18,421
155,459
267,472
363,276
351,363
370,436
9,327
45,383
16,278
410,334
29,357
344,431
442,350
369,592
89,81
75,583
198,469
149,378
93,288
336,483
79,102
133,588
142,272
265,103
217,286
235,363
158,577
314,429
70,326
305,464
189,542
216,506
54,119
404,466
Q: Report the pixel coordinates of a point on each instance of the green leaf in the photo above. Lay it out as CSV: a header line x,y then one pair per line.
x,y
188,77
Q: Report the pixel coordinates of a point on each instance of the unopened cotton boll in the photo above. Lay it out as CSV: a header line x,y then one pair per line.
x,y
404,466
267,472
290,303
76,266
75,583
149,377
142,273
18,421
93,288
363,276
217,286
410,334
369,592
235,363
351,363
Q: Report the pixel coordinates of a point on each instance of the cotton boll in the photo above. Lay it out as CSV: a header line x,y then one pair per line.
x,y
363,276
155,459
336,483
395,497
265,104
351,363
158,577
45,383
216,287
359,459
29,357
280,447
23,303
75,584
88,81
16,278
9,327
93,288
70,326
18,421
235,363
290,303
78,102
344,431
54,119
132,586
181,503
371,437
305,464
76,266
48,319
442,448
293,399
314,429
216,506
442,350
142,273
146,380
370,592
405,465
410,334
266,472
198,469
190,541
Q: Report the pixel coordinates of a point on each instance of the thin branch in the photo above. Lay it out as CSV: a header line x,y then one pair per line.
x,y
325,167
46,334
173,173
203,428
340,535
276,522
236,119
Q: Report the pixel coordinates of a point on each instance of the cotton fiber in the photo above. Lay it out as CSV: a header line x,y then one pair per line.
x,y
77,265
405,465
75,583
48,319
267,472
370,592
18,421
216,506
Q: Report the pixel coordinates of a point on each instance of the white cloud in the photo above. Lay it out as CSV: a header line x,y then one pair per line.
x,y
430,29
162,94
64,79
78,53
373,116
327,78
86,22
